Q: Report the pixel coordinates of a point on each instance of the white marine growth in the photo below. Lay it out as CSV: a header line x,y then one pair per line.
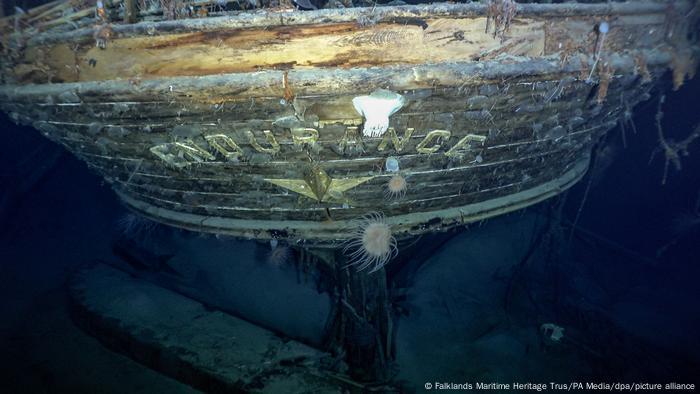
x,y
372,243
377,108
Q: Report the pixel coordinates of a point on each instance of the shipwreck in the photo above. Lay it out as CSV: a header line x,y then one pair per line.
x,y
283,123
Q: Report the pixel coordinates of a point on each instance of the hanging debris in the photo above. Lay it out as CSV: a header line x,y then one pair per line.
x,y
500,15
672,150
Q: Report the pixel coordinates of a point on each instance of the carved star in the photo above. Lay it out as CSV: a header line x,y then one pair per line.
x,y
317,185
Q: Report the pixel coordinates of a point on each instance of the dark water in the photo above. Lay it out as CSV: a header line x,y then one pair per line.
x,y
474,306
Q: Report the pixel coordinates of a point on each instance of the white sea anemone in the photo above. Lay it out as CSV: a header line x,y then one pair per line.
x,y
396,187
372,244
377,108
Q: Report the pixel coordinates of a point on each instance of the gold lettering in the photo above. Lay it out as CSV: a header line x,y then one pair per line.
x,y
353,122
274,145
225,145
438,135
462,147
351,143
181,154
346,122
399,143
304,135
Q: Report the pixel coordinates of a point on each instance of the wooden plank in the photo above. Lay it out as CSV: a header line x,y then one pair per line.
x,y
519,98
253,42
430,193
218,88
282,47
414,13
320,231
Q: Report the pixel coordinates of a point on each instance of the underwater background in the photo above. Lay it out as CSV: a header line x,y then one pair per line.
x,y
614,262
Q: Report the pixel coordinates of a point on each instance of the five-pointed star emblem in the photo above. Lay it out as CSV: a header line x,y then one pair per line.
x,y
317,185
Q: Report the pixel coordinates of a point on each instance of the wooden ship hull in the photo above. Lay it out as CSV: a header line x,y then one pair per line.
x,y
290,125
244,124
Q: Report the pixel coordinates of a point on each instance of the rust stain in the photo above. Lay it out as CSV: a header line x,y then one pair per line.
x,y
345,59
288,93
277,66
193,38
313,31
407,21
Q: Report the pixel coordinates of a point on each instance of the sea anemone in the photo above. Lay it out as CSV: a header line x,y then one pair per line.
x,y
279,254
372,243
135,226
396,187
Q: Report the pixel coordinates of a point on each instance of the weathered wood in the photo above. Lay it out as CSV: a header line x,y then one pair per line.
x,y
288,207
33,12
130,11
215,89
235,49
215,124
371,14
516,147
366,314
283,47
322,232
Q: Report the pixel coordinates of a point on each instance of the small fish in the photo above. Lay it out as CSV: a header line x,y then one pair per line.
x,y
305,4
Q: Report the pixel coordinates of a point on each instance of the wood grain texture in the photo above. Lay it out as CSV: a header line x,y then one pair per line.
x,y
215,125
284,47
